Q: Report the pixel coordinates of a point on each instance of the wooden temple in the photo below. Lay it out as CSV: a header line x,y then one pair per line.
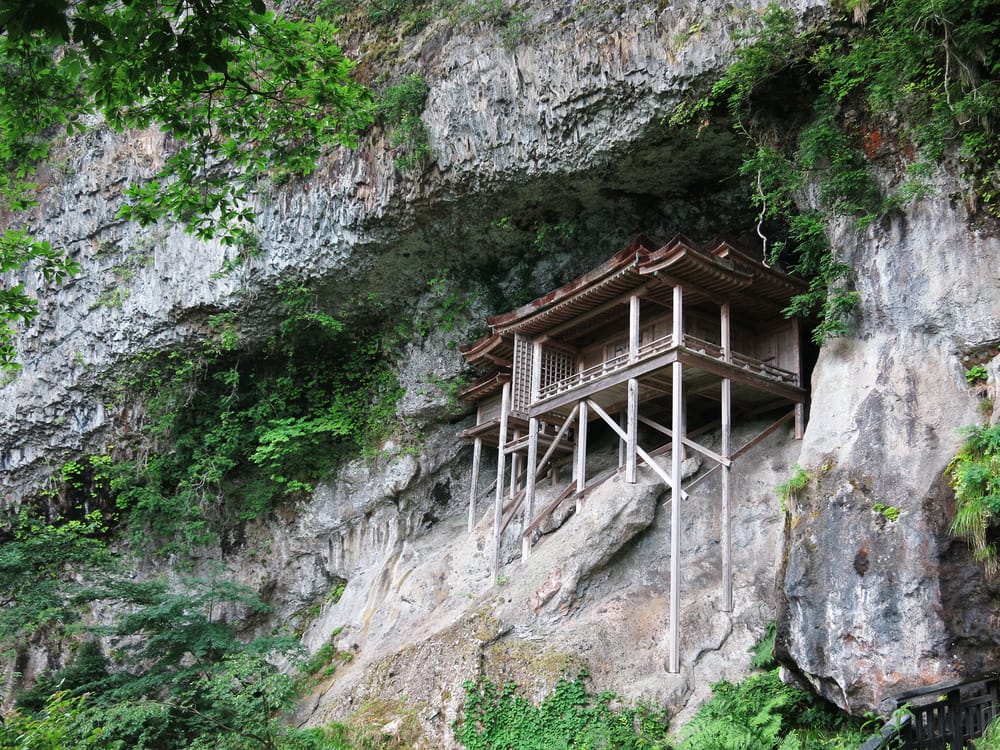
x,y
653,336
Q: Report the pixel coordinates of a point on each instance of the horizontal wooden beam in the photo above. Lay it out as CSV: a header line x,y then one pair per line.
x,y
603,382
739,375
690,358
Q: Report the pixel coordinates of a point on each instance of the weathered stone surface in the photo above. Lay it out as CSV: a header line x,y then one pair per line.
x,y
867,602
564,125
421,616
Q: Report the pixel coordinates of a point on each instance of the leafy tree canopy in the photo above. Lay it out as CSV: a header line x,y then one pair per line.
x,y
239,90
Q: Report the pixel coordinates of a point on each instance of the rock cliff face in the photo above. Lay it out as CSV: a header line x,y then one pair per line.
x,y
564,125
872,606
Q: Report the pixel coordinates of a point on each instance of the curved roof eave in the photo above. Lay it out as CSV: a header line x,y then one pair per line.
x,y
640,248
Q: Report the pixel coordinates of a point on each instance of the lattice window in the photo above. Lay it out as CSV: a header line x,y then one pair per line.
x,y
557,364
520,388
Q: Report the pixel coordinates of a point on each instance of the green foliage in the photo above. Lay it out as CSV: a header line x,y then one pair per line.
x,y
242,91
762,653
448,306
86,672
788,490
399,109
550,238
990,739
51,728
571,717
934,62
18,250
762,713
975,476
177,678
324,662
42,566
976,374
247,430
513,25
888,512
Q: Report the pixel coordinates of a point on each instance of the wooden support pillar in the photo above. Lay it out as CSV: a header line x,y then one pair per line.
x,y
675,505
725,337
529,484
632,429
634,336
477,454
581,449
726,450
515,466
800,408
676,445
501,466
532,461
678,327
727,513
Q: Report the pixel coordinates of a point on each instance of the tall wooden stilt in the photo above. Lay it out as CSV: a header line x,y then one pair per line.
x,y
632,429
727,513
800,408
529,484
678,322
501,466
632,415
675,517
529,477
677,413
477,453
726,450
581,449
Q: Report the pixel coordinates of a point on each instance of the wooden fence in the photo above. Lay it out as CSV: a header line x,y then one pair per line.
x,y
947,716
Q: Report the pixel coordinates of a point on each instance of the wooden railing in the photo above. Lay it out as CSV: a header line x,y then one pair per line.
x,y
651,349
940,717
656,346
584,376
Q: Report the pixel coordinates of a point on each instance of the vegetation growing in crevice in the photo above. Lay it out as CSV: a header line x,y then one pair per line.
x,y
399,110
788,491
762,652
901,87
392,19
975,476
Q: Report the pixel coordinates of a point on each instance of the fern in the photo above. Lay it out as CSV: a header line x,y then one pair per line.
x,y
975,477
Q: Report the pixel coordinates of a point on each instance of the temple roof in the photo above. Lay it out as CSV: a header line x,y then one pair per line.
x,y
485,386
615,276
492,350
718,272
